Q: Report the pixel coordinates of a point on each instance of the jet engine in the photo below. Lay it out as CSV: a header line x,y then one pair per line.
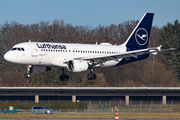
x,y
77,66
39,69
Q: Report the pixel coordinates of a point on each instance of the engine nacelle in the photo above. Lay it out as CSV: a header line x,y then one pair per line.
x,y
77,66
39,69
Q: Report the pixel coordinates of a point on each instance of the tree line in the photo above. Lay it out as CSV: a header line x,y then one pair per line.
x,y
162,69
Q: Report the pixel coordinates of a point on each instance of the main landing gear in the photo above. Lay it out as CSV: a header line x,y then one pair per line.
x,y
64,76
91,75
28,69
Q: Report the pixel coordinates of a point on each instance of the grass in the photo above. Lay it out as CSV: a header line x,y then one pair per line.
x,y
121,116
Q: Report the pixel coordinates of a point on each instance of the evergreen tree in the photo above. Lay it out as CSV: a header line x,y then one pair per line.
x,y
2,51
170,38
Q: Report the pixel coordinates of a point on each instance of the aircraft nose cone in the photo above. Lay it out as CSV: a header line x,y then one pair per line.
x,y
7,56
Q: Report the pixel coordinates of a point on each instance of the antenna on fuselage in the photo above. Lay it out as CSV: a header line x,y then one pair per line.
x,y
30,40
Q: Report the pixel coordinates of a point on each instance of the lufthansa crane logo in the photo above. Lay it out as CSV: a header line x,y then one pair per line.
x,y
141,36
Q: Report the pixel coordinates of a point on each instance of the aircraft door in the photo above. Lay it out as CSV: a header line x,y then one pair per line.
x,y
74,52
33,51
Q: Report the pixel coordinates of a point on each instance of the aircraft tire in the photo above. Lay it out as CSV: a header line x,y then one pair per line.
x,y
94,76
27,76
89,76
64,77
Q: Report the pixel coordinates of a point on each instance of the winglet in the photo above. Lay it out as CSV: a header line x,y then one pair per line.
x,y
159,48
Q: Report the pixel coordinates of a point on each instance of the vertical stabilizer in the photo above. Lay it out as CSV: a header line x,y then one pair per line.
x,y
139,38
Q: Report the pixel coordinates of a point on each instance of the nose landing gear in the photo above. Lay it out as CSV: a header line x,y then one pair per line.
x,y
28,69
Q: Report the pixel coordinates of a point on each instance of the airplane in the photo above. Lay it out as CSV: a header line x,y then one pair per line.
x,y
40,57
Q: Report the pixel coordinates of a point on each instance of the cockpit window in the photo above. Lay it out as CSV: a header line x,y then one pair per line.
x,y
13,48
19,49
22,49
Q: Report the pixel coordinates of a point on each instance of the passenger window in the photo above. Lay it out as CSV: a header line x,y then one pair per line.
x,y
19,49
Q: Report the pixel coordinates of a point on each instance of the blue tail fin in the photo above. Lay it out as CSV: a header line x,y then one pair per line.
x,y
139,38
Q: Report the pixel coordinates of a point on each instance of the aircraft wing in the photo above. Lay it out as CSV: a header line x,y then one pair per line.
x,y
134,54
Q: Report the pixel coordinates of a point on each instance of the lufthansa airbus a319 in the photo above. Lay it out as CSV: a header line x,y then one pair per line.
x,y
40,57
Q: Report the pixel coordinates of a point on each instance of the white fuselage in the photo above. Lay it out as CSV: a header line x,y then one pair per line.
x,y
54,54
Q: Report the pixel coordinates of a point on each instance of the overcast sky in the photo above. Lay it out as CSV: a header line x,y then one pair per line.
x,y
88,12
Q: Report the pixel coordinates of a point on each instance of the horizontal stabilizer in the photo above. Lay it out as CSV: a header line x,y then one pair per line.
x,y
168,49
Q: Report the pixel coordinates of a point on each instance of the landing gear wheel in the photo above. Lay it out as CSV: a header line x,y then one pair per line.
x,y
94,76
91,76
27,75
28,71
64,77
